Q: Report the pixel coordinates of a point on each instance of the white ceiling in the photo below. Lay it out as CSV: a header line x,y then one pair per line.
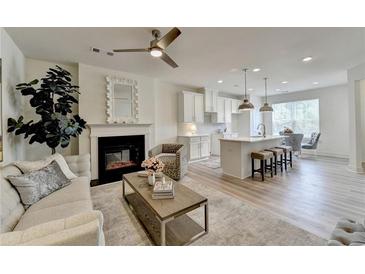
x,y
205,55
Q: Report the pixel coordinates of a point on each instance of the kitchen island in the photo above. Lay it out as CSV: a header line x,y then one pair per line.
x,y
236,153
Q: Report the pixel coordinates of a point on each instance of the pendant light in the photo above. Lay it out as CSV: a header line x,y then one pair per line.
x,y
245,105
266,106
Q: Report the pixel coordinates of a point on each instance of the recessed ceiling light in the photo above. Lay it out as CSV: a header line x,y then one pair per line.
x,y
278,89
234,70
307,59
284,82
250,89
256,69
220,81
315,83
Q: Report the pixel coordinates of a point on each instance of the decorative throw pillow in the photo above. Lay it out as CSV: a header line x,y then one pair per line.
x,y
38,184
62,164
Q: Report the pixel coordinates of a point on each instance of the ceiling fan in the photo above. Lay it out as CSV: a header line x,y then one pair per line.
x,y
157,46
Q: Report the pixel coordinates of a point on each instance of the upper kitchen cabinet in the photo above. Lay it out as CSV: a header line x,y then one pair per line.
x,y
227,110
224,111
210,100
191,107
235,104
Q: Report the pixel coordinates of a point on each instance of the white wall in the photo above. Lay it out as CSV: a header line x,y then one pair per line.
x,y
362,96
333,115
157,103
166,115
92,99
36,69
13,73
256,115
355,77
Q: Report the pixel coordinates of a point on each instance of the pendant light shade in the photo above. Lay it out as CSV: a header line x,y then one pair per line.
x,y
266,107
245,105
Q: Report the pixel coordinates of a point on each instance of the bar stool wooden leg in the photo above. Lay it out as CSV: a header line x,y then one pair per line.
x,y
271,168
281,163
291,159
252,167
286,160
262,170
276,165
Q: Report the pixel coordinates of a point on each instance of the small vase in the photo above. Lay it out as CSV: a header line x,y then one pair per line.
x,y
151,179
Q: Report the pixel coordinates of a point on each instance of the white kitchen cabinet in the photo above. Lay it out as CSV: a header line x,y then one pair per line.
x,y
194,151
227,110
210,100
235,104
215,143
191,107
198,146
218,117
198,108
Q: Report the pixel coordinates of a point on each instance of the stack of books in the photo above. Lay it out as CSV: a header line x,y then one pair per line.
x,y
163,190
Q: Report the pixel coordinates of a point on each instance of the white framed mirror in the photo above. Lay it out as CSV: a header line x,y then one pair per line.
x,y
122,100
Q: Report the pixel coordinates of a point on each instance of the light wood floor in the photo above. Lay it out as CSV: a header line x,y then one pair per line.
x,y
313,195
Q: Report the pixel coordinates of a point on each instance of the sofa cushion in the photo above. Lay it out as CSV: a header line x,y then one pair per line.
x,y
66,202
79,164
35,185
29,166
11,209
63,165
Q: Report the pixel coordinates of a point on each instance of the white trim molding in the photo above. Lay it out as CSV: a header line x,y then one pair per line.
x,y
106,130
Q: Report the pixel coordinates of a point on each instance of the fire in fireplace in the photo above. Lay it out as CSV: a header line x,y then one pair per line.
x,y
119,155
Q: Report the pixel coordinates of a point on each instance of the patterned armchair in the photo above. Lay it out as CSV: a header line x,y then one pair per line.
x,y
295,141
174,156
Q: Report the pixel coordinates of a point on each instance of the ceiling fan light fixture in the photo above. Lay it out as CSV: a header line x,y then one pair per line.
x,y
156,52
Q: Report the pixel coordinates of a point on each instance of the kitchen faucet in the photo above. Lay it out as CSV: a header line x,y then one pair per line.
x,y
264,127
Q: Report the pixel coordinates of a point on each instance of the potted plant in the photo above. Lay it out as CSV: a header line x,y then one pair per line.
x,y
52,101
152,166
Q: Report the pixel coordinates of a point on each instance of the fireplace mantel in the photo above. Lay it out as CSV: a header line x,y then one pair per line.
x,y
108,130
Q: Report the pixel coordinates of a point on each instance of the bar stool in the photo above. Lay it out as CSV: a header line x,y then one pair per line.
x,y
287,149
263,156
277,152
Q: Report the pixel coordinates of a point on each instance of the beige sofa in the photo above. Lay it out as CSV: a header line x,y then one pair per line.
x,y
65,217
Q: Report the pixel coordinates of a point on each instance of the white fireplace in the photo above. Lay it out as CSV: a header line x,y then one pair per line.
x,y
109,130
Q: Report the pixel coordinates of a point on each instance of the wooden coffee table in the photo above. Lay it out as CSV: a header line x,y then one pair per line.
x,y
165,221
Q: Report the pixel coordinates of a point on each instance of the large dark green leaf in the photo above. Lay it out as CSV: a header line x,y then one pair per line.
x,y
52,101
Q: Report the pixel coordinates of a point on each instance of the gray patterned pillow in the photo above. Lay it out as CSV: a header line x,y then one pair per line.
x,y
38,184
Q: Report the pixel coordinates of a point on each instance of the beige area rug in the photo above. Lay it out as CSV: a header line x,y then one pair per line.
x,y
231,222
213,163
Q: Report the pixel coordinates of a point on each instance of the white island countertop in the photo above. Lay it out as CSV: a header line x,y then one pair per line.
x,y
253,139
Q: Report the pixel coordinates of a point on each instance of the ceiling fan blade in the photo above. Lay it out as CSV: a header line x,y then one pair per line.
x,y
130,50
168,60
169,37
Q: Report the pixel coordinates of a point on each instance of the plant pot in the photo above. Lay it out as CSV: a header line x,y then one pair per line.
x,y
151,179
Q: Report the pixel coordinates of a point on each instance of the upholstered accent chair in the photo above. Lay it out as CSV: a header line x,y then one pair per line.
x,y
313,142
295,141
174,156
348,232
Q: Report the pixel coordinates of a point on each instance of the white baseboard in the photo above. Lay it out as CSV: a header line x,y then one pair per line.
x,y
325,154
358,170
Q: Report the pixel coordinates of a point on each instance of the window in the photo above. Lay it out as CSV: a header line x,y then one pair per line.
x,y
300,116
